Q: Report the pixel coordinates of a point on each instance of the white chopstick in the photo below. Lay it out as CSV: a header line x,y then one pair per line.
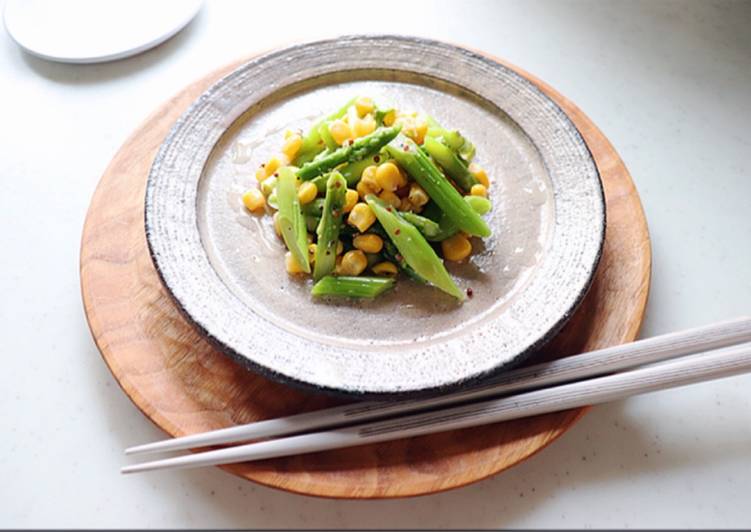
x,y
687,370
577,367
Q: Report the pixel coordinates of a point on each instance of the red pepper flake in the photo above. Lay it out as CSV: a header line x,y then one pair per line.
x,y
320,142
397,231
334,213
276,174
405,147
390,209
376,158
337,184
470,292
398,257
263,165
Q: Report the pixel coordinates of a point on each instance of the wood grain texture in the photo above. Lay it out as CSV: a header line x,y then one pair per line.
x,y
185,386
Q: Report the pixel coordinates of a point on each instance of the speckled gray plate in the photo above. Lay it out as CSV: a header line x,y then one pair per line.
x,y
225,269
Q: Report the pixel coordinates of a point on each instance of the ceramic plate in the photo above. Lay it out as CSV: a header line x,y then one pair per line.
x,y
224,267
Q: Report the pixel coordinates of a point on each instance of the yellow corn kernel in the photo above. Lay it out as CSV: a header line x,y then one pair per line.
x,y
390,198
369,178
312,252
353,263
364,126
368,243
362,217
363,190
364,105
261,174
274,164
291,263
479,190
420,129
277,225
456,248
339,247
477,171
388,176
406,205
292,145
389,118
307,192
340,131
253,200
387,269
417,196
350,199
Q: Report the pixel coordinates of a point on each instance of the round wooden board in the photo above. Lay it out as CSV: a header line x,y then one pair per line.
x,y
185,386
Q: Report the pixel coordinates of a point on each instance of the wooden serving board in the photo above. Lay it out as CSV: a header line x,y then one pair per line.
x,y
185,386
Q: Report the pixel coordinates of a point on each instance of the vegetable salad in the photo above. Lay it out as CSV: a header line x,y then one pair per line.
x,y
369,192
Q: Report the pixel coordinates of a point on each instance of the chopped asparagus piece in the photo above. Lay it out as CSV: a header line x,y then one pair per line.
x,y
414,248
328,228
291,219
358,150
440,190
359,287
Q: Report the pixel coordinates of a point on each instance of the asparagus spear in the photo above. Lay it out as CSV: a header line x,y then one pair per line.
x,y
446,227
451,138
426,226
413,247
440,190
356,151
315,207
392,254
479,204
353,171
352,286
312,143
328,228
451,163
291,219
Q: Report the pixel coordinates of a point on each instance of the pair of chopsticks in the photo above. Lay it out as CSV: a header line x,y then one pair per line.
x,y
666,361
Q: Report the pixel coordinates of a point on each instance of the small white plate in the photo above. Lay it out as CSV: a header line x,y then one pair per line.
x,y
91,31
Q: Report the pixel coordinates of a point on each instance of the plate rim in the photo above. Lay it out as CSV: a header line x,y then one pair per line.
x,y
454,384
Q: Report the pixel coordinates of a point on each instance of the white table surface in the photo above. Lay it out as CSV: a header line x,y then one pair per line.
x,y
669,83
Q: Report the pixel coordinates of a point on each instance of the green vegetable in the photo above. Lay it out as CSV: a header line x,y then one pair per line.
x,y
325,134
312,143
352,286
414,248
328,228
380,115
311,222
315,207
440,190
450,162
446,226
353,171
272,200
426,226
479,204
451,138
291,218
358,150
392,254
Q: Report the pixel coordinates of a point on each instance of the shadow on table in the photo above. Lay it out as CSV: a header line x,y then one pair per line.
x,y
84,74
